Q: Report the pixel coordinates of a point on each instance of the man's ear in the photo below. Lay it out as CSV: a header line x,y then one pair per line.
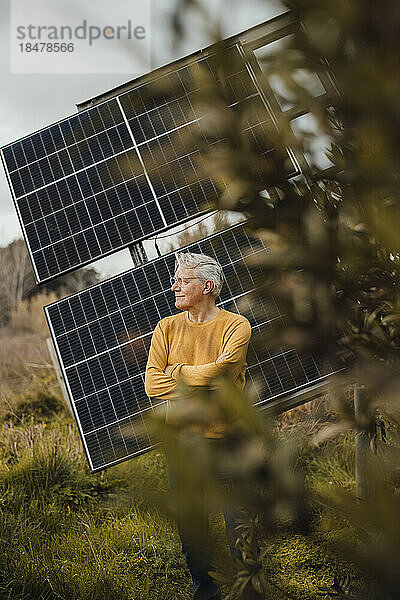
x,y
209,286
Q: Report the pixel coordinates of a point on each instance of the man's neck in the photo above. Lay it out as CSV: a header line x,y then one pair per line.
x,y
204,313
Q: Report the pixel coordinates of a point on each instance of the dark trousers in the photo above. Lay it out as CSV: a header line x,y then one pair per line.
x,y
196,557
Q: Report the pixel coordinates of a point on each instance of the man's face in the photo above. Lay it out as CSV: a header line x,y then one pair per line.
x,y
190,293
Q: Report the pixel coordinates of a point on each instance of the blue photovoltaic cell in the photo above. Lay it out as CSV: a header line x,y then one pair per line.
x,y
102,336
130,167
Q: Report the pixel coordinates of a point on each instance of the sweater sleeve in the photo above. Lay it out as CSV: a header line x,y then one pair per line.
x,y
236,344
157,383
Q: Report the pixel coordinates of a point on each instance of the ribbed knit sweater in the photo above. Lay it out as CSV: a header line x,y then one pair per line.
x,y
192,349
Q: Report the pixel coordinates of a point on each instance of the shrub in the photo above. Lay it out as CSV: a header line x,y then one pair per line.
x,y
42,401
44,476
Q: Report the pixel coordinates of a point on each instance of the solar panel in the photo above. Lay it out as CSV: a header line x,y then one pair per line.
x,y
102,337
129,167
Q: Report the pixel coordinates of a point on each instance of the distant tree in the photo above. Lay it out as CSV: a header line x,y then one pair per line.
x,y
16,278
73,282
199,230
17,281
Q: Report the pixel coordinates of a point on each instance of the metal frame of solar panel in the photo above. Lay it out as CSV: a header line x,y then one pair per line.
x,y
129,167
102,336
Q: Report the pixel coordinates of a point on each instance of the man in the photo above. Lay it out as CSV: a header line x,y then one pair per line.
x,y
197,345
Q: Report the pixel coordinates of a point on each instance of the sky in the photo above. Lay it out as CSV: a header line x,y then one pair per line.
x,y
29,102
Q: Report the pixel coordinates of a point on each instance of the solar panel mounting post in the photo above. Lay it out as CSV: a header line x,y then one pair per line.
x,y
60,377
364,445
138,254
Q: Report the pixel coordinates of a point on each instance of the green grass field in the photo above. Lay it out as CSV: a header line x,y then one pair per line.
x,y
66,533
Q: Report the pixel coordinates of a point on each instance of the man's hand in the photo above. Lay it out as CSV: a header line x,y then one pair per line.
x,y
168,369
222,356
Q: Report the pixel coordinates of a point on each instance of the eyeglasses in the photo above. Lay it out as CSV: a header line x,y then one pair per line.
x,y
181,281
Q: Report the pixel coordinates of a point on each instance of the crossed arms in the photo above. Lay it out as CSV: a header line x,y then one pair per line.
x,y
161,376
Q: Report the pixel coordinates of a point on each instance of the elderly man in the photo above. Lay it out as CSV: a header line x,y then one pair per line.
x,y
197,345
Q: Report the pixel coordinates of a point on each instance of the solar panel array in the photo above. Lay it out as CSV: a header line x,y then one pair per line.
x,y
102,336
127,168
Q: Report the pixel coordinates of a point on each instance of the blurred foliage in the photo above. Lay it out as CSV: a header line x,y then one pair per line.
x,y
260,466
333,264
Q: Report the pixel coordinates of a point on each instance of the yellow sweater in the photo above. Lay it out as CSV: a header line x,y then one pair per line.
x,y
192,349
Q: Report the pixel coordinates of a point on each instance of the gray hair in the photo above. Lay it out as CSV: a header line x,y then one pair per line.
x,y
205,268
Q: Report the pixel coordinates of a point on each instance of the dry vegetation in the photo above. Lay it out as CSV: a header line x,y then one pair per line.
x,y
23,347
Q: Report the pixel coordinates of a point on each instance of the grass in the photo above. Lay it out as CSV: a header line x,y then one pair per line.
x,y
99,555
18,352
66,533
70,534
302,564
